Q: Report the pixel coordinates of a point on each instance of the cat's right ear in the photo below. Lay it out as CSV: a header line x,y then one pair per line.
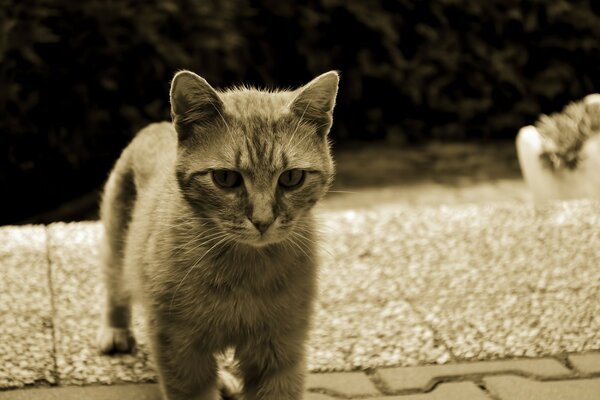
x,y
315,101
193,102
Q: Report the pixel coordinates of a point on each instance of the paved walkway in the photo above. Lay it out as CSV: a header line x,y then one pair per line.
x,y
446,288
574,377
475,301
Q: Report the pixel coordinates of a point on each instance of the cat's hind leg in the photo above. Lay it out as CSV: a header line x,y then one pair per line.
x,y
117,204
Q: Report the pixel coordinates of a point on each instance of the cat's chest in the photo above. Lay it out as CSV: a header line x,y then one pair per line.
x,y
234,297
238,312
241,306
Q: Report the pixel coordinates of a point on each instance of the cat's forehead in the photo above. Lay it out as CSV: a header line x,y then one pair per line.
x,y
264,136
265,146
260,145
245,103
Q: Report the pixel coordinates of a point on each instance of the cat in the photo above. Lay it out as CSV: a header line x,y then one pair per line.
x,y
207,221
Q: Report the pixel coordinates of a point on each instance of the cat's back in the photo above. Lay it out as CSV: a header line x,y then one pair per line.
x,y
150,160
152,153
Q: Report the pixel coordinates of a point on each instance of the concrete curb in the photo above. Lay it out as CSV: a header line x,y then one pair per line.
x,y
518,379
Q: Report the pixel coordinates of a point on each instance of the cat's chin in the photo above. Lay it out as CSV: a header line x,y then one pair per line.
x,y
262,241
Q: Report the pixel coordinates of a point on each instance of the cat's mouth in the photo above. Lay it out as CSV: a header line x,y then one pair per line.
x,y
253,237
246,233
258,240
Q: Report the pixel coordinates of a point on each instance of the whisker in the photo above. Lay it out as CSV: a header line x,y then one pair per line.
x,y
307,137
298,125
313,242
325,229
223,119
200,235
191,222
306,229
199,241
302,140
296,245
322,223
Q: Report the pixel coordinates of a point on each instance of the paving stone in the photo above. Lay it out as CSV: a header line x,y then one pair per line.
x,y
26,348
120,392
365,332
347,383
469,269
517,388
445,391
464,250
422,378
516,325
79,296
346,334
586,363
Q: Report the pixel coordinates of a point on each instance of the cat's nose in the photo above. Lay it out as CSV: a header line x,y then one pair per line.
x,y
261,225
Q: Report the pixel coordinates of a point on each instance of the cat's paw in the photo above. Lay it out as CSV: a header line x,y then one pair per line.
x,y
229,386
115,340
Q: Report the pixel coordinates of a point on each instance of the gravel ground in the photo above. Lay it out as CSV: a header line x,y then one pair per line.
x,y
78,298
25,308
400,285
489,281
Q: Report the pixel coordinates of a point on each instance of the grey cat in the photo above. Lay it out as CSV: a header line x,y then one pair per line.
x,y
207,221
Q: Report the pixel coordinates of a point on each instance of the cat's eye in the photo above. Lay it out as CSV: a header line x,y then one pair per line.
x,y
226,178
292,178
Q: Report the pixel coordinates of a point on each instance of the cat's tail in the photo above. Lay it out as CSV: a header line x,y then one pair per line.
x,y
117,204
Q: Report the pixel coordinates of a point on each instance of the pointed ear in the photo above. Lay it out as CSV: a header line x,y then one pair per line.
x,y
315,101
193,102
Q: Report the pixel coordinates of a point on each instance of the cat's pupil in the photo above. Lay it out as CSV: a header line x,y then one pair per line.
x,y
226,178
291,178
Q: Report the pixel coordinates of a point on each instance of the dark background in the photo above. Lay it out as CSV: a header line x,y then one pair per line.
x,y
77,79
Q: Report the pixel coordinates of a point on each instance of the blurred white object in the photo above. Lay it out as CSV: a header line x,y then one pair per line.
x,y
546,183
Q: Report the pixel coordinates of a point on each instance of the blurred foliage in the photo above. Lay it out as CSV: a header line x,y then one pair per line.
x,y
79,78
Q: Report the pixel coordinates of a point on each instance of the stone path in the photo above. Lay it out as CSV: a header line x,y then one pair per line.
x,y
409,312
472,301
574,377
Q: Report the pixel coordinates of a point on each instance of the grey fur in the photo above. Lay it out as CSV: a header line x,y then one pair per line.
x,y
206,277
566,132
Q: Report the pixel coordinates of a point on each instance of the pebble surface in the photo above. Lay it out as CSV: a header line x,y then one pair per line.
x,y
79,298
399,286
26,343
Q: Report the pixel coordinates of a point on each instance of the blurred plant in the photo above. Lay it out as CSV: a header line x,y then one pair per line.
x,y
79,78
444,69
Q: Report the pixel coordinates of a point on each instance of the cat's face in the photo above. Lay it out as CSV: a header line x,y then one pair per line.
x,y
253,163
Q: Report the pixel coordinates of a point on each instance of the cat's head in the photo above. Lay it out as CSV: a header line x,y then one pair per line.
x,y
252,163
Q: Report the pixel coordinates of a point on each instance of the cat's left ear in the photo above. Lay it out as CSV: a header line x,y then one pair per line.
x,y
315,101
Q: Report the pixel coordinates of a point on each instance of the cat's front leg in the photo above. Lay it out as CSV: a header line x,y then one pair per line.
x,y
274,369
186,370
